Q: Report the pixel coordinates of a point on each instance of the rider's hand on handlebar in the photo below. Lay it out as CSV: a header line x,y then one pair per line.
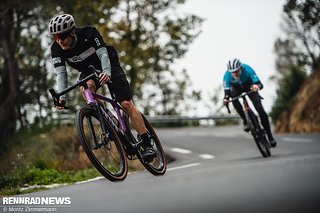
x,y
225,102
104,78
60,103
255,87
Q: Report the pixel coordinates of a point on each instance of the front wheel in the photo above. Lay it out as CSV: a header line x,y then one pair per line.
x,y
158,165
101,144
258,135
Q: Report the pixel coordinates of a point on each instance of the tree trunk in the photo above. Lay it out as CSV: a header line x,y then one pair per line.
x,y
8,106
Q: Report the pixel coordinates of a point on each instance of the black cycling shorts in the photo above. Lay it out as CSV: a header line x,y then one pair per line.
x,y
119,87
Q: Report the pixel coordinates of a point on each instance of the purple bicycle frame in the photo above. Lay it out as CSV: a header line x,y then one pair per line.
x,y
90,97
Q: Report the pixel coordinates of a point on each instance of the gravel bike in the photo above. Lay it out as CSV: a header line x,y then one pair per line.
x,y
109,141
257,131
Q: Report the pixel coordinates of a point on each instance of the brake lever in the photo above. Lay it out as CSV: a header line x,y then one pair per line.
x,y
56,103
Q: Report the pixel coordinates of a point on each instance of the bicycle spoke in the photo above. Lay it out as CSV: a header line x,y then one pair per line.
x,y
157,165
101,144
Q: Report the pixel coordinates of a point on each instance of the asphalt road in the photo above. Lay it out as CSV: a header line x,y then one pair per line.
x,y
216,169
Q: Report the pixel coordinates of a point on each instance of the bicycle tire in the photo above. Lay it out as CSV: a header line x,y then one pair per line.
x,y
258,135
108,157
158,165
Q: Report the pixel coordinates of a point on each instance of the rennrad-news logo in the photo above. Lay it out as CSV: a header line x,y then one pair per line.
x,y
36,201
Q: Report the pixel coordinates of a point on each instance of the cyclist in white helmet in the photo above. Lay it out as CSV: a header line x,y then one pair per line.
x,y
241,78
81,47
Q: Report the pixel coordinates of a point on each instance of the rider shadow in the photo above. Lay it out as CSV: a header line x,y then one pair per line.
x,y
257,157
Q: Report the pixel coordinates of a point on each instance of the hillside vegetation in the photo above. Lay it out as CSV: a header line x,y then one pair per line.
x,y
297,105
45,157
303,114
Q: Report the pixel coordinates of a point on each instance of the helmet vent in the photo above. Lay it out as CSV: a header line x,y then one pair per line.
x,y
61,23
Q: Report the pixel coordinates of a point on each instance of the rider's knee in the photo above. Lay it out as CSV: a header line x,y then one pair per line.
x,y
127,106
91,85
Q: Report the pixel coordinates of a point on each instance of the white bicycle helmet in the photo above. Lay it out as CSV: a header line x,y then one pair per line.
x,y
234,65
61,23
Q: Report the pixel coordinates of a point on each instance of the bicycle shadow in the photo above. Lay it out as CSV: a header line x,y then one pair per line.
x,y
257,157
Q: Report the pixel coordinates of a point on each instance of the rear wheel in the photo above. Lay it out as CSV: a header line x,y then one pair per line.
x,y
259,135
158,165
103,148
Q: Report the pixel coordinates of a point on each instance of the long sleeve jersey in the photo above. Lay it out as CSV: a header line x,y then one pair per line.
x,y
245,80
90,49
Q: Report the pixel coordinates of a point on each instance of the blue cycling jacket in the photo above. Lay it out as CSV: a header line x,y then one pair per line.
x,y
246,78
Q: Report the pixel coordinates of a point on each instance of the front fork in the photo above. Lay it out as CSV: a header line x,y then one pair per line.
x,y
249,122
104,137
257,132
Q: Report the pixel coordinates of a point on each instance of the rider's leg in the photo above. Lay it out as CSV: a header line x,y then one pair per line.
x,y
235,91
138,122
239,109
92,86
120,88
135,116
256,100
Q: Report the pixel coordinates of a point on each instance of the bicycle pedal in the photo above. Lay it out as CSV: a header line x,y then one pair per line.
x,y
149,159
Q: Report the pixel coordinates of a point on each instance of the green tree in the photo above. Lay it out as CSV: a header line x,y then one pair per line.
x,y
146,33
20,29
290,85
150,38
9,74
148,42
170,95
25,77
298,53
302,25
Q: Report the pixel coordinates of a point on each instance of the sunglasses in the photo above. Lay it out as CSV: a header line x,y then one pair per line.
x,y
237,71
61,36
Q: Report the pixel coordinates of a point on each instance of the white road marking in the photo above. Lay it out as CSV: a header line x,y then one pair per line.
x,y
206,156
90,180
179,150
184,166
303,140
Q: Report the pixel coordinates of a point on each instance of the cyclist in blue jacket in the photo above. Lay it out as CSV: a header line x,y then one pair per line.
x,y
241,78
81,47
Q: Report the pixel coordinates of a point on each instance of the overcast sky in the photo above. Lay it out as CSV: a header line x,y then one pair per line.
x,y
245,29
